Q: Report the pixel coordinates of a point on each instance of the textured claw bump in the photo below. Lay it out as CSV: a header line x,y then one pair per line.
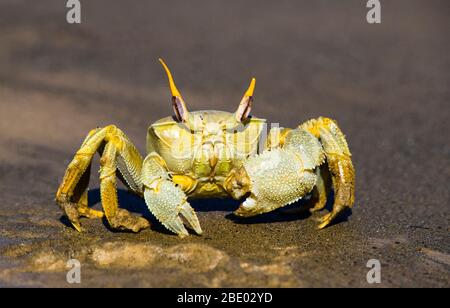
x,y
167,202
278,178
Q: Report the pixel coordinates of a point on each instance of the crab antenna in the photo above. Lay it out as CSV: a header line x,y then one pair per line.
x,y
172,86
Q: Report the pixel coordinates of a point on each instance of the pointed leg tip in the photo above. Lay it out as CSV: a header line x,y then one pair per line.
x,y
323,225
78,227
183,235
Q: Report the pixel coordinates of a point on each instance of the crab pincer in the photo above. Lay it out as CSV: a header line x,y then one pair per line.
x,y
169,204
278,178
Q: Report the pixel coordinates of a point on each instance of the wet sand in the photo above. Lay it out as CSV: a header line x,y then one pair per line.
x,y
387,85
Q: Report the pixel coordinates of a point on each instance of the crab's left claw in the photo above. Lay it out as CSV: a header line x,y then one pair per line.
x,y
277,178
251,207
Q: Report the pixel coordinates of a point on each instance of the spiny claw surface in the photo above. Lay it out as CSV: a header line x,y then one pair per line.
x,y
168,203
277,179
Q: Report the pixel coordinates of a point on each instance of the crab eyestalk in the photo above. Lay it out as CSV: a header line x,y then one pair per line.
x,y
245,106
179,106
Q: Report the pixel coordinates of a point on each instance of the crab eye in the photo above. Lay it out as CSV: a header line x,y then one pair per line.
x,y
245,106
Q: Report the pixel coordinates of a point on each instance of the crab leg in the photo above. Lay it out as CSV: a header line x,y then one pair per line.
x,y
118,153
80,197
76,179
321,190
340,164
166,200
117,218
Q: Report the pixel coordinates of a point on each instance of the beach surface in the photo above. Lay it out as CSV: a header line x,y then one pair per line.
x,y
388,86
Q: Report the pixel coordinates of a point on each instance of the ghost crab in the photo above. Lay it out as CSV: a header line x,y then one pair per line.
x,y
211,154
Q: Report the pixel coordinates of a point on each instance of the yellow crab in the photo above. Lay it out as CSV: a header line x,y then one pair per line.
x,y
211,154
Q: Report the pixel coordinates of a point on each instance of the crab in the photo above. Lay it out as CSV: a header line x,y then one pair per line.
x,y
211,154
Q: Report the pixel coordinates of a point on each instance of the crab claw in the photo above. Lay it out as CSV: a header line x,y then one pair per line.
x,y
277,179
251,207
168,204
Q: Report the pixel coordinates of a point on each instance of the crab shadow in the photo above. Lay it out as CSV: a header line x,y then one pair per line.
x,y
297,211
127,201
136,205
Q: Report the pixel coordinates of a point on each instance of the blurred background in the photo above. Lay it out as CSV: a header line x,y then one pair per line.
x,y
388,86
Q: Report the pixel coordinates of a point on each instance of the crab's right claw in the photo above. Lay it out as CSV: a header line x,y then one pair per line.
x,y
168,203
